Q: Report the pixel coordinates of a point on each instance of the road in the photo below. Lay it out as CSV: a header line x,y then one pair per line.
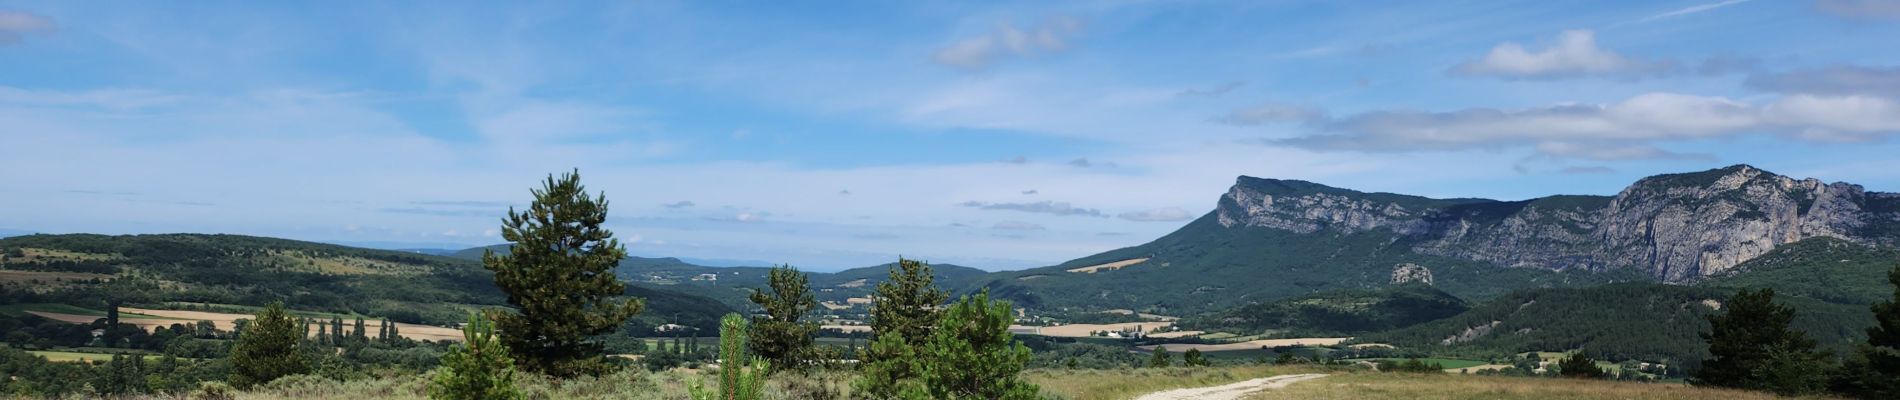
x,y
1231,391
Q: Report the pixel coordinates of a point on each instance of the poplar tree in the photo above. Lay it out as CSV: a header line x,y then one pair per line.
x,y
559,277
779,336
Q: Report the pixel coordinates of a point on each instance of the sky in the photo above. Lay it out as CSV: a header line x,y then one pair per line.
x,y
839,134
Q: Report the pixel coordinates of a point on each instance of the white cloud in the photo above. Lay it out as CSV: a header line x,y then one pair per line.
x,y
978,52
1041,207
1618,131
1575,54
1170,214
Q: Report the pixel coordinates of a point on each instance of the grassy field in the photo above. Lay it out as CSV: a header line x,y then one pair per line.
x,y
1110,384
1378,386
74,356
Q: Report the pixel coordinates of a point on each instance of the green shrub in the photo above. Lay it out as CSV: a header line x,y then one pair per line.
x,y
267,348
741,377
478,369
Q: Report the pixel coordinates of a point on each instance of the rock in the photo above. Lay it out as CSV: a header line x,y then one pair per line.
x,y
1409,272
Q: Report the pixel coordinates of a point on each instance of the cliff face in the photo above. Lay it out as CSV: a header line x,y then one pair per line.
x,y
1677,227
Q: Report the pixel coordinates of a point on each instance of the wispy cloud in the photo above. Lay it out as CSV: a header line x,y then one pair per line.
x,y
1574,54
678,204
15,25
1157,215
978,52
1699,8
1041,207
1881,10
1216,91
1840,80
1016,226
1270,113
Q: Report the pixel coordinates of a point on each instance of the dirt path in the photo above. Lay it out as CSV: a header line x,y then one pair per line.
x,y
1231,391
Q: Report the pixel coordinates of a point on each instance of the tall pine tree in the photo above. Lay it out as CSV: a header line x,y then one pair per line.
x,y
1752,347
267,348
1876,374
779,336
559,277
903,314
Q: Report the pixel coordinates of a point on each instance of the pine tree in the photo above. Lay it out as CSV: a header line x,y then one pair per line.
x,y
267,349
1579,365
1876,375
903,312
1752,347
1192,358
779,336
972,355
559,276
741,376
1160,358
478,369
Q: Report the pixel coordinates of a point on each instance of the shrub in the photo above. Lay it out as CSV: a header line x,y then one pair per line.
x,y
478,369
267,348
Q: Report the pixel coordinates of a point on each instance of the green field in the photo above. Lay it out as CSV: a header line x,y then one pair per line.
x,y
74,356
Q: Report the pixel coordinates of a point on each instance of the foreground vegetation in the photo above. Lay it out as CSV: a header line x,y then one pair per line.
x,y
1383,386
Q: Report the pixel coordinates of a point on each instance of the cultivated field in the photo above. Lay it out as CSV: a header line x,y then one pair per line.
x,y
148,319
1381,386
1250,345
1082,330
1108,266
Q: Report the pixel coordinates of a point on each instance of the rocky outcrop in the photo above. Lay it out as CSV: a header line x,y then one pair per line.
x,y
1676,228
1409,273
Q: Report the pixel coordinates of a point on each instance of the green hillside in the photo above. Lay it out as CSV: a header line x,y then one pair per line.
x,y
1335,313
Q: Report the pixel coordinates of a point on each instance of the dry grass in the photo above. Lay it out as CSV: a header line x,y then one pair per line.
x,y
1375,386
1131,383
1108,266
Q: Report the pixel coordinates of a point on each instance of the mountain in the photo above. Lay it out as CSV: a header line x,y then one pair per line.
x,y
1269,239
1675,228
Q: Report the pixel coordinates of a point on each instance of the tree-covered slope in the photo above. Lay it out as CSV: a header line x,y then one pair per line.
x,y
1335,313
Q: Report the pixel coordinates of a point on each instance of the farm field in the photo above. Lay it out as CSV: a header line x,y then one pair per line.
x,y
1082,330
1448,363
74,356
1108,266
1382,386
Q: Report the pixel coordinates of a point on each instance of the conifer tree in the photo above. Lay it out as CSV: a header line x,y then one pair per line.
x,y
741,376
1579,365
778,336
1876,374
903,313
478,369
972,355
267,348
361,333
336,330
1160,358
1752,347
559,277
1192,358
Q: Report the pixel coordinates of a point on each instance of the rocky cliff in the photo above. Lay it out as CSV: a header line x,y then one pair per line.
x,y
1676,228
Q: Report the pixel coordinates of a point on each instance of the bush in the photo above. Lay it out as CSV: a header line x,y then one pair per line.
x,y
268,348
214,390
477,370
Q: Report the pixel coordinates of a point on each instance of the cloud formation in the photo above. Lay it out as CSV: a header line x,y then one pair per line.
x,y
1157,215
1575,54
1062,208
1618,131
978,52
1832,80
15,25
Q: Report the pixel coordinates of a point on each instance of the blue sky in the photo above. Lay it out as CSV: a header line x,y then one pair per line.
x,y
842,134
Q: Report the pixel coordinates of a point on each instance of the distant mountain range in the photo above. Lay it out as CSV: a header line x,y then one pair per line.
x,y
1270,239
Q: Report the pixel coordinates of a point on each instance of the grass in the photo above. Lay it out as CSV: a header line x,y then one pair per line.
x,y
252,310
1129,383
632,384
74,356
1377,386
